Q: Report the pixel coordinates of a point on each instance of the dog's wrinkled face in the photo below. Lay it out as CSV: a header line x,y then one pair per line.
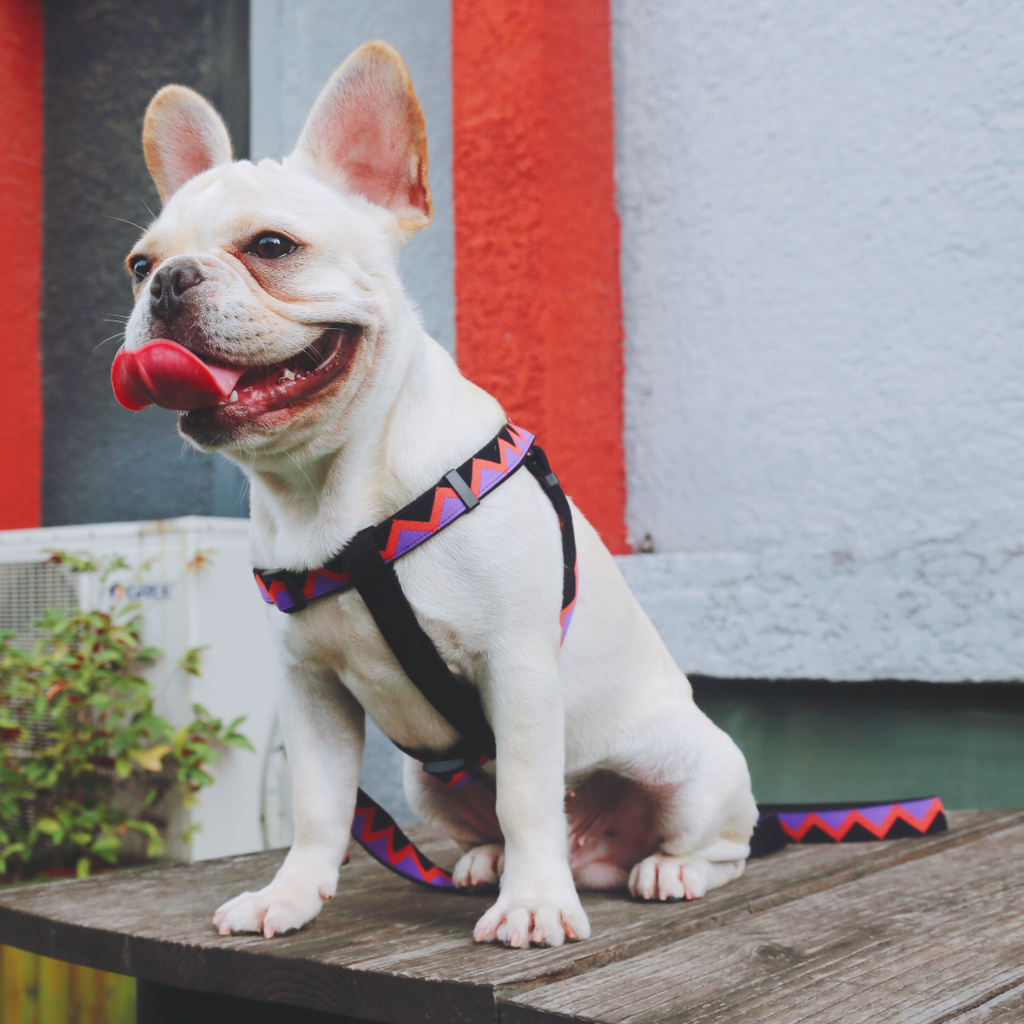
x,y
296,294
280,277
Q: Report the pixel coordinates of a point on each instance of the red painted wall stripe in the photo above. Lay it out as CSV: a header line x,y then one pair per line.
x,y
21,166
538,303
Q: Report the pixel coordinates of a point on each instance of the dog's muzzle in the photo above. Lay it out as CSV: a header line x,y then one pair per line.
x,y
168,287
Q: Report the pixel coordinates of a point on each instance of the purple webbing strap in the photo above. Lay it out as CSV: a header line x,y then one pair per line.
x,y
376,832
780,824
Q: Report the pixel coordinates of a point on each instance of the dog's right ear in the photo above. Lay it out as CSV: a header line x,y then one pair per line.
x,y
366,134
182,136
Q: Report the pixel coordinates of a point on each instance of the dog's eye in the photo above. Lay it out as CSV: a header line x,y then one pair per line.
x,y
140,268
270,246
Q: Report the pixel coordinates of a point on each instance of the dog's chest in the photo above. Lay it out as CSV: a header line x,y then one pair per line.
x,y
339,635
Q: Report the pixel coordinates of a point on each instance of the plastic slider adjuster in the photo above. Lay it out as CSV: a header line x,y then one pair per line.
x,y
462,489
293,584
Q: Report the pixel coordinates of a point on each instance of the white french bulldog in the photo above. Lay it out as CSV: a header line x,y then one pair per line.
x,y
282,278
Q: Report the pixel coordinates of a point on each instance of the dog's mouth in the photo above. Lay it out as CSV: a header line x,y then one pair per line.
x,y
164,373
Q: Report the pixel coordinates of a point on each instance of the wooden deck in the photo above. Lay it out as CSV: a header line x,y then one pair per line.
x,y
914,930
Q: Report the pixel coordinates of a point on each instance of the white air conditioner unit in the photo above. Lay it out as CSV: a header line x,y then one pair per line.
x,y
197,592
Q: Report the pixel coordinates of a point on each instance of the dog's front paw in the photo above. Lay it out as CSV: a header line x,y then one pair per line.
x,y
282,906
670,877
483,865
538,922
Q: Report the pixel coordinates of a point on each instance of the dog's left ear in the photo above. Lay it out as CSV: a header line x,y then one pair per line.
x,y
366,134
182,136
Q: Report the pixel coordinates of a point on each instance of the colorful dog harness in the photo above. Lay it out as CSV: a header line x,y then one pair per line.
x,y
365,563
456,493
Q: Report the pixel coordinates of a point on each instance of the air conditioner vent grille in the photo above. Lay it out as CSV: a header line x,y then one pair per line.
x,y
27,589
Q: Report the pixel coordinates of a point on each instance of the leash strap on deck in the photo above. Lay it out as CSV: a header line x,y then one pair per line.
x,y
778,825
781,824
376,832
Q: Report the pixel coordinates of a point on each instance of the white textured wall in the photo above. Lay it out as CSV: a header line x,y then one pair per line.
x,y
823,270
296,46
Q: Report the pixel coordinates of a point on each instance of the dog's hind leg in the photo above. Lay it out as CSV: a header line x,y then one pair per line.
x,y
323,728
705,821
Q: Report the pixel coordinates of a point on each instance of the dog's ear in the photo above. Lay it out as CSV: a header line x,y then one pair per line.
x,y
182,136
366,134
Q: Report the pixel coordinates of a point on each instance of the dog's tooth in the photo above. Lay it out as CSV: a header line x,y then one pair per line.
x,y
234,396
287,374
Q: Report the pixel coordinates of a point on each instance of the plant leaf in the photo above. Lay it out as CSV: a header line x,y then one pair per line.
x,y
151,759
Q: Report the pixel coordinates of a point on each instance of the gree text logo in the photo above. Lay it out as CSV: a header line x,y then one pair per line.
x,y
141,591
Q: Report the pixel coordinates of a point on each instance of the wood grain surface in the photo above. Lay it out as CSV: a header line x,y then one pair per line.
x,y
915,930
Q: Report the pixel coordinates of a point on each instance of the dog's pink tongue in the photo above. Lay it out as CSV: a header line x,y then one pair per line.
x,y
163,373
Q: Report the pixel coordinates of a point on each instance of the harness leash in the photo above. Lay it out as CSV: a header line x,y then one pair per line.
x,y
777,826
781,824
366,564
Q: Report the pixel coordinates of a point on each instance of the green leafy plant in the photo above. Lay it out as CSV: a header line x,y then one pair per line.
x,y
85,764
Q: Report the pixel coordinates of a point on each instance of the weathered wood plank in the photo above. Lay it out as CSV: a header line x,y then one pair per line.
x,y
624,928
387,950
1005,1008
916,944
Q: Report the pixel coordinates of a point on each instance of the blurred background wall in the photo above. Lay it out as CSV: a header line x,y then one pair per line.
x,y
822,277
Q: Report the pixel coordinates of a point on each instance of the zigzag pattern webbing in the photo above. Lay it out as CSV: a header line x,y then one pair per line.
x,y
430,513
378,834
375,830
780,824
879,821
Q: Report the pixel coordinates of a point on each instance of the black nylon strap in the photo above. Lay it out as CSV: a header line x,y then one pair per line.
x,y
379,588
537,463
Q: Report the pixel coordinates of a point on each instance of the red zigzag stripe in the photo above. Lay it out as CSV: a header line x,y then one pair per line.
x,y
431,525
368,835
504,447
897,813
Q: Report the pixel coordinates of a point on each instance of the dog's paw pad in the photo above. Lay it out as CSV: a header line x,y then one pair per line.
x,y
521,925
483,865
273,911
671,878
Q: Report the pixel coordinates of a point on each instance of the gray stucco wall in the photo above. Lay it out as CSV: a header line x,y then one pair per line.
x,y
823,276
104,59
297,45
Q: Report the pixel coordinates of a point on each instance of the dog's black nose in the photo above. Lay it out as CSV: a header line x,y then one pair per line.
x,y
169,285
